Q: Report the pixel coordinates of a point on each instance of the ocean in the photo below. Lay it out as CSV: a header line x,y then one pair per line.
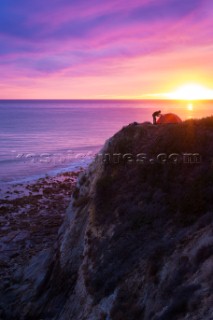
x,y
39,138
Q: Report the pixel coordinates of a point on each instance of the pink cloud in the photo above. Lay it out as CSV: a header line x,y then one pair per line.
x,y
115,39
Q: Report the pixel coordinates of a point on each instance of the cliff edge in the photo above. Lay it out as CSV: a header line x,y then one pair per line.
x,y
137,240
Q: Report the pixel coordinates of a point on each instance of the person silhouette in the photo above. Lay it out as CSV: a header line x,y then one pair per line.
x,y
155,115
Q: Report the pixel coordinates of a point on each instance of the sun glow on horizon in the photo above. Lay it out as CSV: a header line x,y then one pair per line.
x,y
190,92
190,107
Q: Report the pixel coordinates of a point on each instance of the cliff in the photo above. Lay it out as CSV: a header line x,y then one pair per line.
x,y
137,240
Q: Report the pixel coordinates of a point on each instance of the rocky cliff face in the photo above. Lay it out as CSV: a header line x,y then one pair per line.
x,y
137,240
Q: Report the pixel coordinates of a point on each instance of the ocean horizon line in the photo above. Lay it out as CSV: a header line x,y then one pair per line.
x,y
104,100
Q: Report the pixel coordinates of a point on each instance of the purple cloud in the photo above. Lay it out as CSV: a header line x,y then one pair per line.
x,y
72,36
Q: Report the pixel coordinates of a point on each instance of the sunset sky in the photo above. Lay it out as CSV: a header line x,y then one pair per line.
x,y
114,49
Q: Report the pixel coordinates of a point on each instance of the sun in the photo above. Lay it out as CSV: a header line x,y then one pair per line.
x,y
191,92
190,107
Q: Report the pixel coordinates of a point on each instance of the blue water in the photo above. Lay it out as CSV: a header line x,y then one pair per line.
x,y
46,137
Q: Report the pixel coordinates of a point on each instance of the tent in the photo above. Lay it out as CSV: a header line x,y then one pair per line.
x,y
168,118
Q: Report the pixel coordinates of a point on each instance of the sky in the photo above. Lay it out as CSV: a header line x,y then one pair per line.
x,y
98,49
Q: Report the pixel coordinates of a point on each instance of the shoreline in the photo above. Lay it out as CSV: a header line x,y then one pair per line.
x,y
52,172
30,215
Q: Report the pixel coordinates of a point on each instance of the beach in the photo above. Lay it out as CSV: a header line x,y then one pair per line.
x,y
30,216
